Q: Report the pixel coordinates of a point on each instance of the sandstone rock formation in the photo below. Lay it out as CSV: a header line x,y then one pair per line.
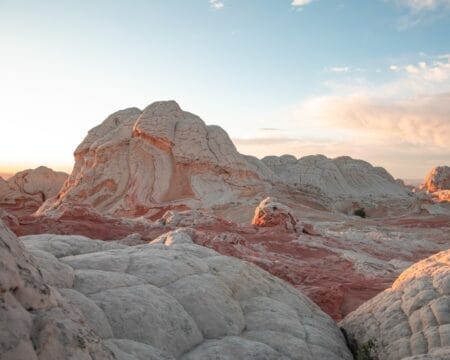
x,y
23,193
36,322
146,162
411,320
270,213
337,180
437,182
177,300
158,158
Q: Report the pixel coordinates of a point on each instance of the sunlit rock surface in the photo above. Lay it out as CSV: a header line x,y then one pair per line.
x,y
136,162
270,213
437,182
23,193
177,300
410,320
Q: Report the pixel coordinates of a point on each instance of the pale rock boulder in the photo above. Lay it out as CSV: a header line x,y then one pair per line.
x,y
160,157
411,320
177,300
270,213
179,236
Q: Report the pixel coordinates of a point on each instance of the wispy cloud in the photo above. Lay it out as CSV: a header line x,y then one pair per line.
x,y
403,123
420,11
216,4
420,5
340,69
301,3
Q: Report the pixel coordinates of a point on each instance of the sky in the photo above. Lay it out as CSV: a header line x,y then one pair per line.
x,y
369,79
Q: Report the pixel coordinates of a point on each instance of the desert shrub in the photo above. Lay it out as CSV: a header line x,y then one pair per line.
x,y
360,212
367,351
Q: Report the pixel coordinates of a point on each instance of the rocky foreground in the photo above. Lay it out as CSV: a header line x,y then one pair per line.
x,y
170,196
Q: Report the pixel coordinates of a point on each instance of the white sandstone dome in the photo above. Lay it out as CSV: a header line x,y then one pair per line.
x,y
159,157
411,320
178,300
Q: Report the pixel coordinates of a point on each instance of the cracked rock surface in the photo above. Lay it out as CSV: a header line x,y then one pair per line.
x,y
171,300
411,320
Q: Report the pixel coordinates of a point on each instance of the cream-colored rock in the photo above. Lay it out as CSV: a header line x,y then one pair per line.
x,y
159,157
337,180
409,320
184,301
270,213
35,321
24,192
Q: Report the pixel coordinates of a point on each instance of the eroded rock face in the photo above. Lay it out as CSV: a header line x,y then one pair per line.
x,y
23,193
411,320
337,180
177,300
270,213
36,322
156,158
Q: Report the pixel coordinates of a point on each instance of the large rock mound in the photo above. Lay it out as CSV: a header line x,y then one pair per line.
x,y
178,300
161,157
412,318
23,193
337,180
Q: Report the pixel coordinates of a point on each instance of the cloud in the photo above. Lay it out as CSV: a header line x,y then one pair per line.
x,y
300,3
419,120
435,71
340,69
216,4
420,5
402,124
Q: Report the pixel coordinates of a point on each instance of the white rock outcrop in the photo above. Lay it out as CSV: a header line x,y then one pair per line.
x,y
271,213
411,320
338,179
24,192
36,321
174,300
159,157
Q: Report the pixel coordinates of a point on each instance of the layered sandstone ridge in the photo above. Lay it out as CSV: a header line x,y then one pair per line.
x,y
156,158
23,193
410,320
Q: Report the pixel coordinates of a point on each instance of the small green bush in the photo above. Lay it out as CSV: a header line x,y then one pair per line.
x,y
360,212
367,351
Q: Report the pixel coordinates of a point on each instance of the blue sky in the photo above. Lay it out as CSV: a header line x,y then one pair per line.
x,y
362,78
